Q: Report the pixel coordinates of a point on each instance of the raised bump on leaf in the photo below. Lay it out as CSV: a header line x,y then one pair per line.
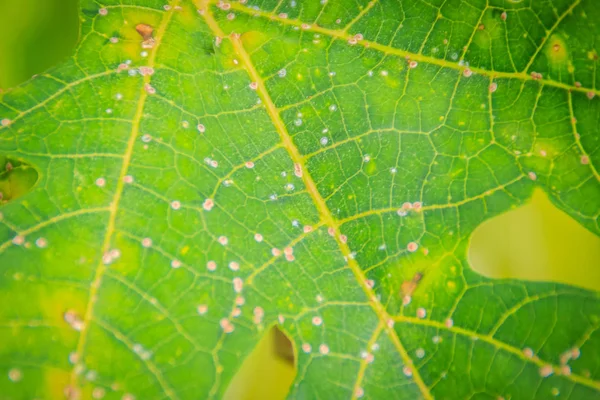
x,y
535,242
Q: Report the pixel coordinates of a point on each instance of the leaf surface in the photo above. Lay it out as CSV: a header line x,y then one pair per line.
x,y
316,165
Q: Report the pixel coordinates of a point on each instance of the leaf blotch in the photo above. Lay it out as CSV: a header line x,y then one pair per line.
x,y
557,51
145,31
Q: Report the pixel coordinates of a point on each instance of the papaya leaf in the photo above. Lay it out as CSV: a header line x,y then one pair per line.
x,y
207,170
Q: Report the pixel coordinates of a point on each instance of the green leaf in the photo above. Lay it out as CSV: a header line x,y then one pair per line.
x,y
315,165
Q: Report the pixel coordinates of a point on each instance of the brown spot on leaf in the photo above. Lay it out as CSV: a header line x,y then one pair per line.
x,y
408,287
145,31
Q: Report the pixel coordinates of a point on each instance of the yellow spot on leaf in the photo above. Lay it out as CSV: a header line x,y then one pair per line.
x,y
451,285
130,41
556,50
371,168
253,40
53,304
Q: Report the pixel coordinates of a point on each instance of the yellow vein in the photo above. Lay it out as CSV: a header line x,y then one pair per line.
x,y
131,346
51,221
358,391
578,139
114,205
379,211
156,304
586,336
241,166
58,93
548,33
360,15
272,260
312,190
500,345
514,309
406,54
477,25
360,136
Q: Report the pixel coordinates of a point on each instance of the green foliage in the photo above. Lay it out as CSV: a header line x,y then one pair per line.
x,y
320,166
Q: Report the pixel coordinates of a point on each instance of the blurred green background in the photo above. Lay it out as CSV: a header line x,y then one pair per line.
x,y
535,242
34,35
